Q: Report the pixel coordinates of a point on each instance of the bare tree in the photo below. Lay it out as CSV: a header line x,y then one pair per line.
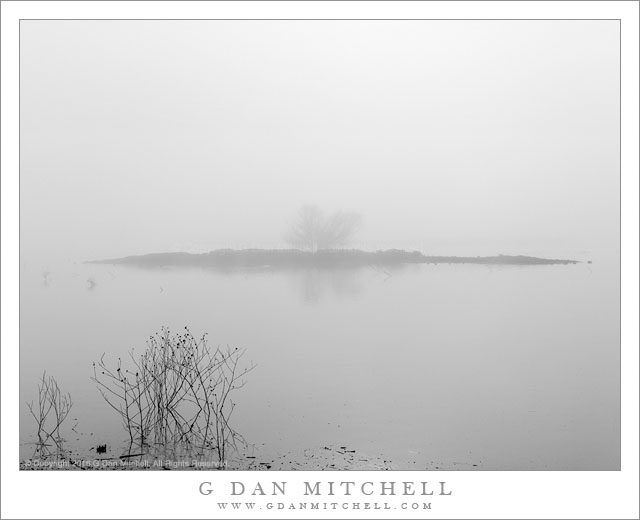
x,y
312,231
339,230
52,409
304,232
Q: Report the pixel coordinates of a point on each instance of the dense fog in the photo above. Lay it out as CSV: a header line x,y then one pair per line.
x,y
452,137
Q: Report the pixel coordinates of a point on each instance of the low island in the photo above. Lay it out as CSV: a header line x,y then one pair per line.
x,y
230,259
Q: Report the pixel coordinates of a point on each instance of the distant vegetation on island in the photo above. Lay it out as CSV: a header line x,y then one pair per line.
x,y
230,259
318,241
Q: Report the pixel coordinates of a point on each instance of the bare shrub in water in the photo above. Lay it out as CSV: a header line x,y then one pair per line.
x,y
177,392
51,410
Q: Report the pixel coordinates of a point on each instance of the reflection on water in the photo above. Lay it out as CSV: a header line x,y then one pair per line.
x,y
432,366
314,284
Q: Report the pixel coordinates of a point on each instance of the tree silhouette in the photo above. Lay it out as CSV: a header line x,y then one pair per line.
x,y
312,231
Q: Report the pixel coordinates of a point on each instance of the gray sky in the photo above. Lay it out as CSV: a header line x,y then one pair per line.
x,y
478,136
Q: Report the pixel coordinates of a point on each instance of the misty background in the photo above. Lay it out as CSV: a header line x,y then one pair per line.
x,y
453,137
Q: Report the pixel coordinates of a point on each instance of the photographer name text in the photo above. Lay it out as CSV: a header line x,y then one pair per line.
x,y
331,488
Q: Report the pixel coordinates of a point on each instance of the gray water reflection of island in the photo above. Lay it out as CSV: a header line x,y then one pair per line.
x,y
449,366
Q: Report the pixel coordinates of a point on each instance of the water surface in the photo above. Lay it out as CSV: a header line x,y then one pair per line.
x,y
430,366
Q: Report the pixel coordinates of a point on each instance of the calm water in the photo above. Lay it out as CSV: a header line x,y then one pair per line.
x,y
430,366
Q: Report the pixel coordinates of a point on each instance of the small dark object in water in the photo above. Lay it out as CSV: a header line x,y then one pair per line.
x,y
131,455
102,448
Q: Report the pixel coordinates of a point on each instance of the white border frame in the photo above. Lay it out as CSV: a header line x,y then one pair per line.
x,y
475,494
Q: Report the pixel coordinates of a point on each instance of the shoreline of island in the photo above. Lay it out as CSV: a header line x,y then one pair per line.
x,y
329,258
